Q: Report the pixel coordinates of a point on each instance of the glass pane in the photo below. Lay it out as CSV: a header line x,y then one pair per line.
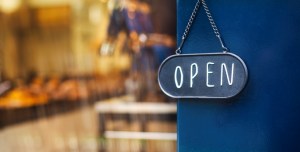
x,y
81,75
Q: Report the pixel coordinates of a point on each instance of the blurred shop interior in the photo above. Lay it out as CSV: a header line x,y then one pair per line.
x,y
81,75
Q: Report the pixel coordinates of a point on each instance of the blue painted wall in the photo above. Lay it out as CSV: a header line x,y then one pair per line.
x,y
266,115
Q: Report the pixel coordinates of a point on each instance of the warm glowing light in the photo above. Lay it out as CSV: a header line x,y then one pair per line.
x,y
9,6
95,14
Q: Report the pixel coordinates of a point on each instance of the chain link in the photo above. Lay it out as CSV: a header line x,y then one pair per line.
x,y
191,20
188,26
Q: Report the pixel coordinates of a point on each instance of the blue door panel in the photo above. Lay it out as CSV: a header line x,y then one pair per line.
x,y
266,115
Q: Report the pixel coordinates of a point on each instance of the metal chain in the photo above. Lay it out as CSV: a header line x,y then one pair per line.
x,y
191,20
213,25
188,26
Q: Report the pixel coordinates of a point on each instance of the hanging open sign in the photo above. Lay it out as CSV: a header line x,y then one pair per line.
x,y
212,75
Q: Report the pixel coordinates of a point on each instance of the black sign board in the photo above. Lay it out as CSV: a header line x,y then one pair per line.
x,y
212,75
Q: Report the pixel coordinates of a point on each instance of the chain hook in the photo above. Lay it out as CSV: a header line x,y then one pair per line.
x,y
178,50
225,49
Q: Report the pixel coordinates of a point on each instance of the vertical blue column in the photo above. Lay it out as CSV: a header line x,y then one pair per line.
x,y
266,115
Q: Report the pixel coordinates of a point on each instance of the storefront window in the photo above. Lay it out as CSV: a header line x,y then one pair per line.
x,y
81,75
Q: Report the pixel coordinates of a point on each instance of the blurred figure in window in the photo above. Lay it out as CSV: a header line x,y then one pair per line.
x,y
149,43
